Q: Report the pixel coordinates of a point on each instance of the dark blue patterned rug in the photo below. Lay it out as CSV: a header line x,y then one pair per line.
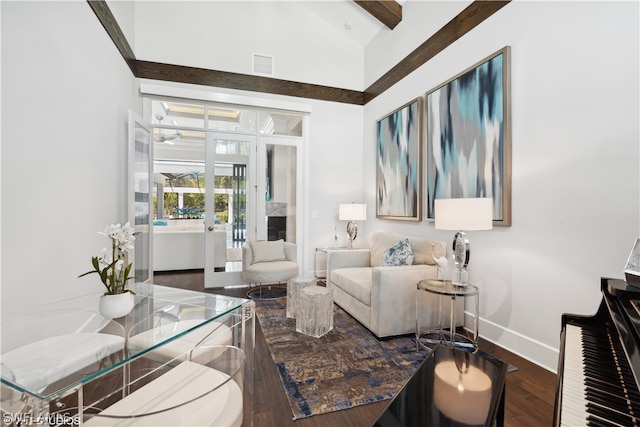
x,y
346,367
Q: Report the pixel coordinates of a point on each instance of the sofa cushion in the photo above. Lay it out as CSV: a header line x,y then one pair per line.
x,y
423,251
268,251
398,254
379,243
355,281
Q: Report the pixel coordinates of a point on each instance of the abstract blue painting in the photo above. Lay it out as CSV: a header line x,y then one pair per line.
x,y
469,137
398,163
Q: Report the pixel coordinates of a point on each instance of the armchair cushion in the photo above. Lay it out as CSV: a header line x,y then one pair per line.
x,y
268,251
399,254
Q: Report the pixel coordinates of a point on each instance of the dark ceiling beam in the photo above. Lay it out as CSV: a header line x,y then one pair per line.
x,y
202,76
106,18
464,22
389,12
468,19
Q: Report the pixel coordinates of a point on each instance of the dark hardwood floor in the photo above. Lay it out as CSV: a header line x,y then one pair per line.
x,y
530,390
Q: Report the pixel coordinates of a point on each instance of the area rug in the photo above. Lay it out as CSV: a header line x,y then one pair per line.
x,y
346,367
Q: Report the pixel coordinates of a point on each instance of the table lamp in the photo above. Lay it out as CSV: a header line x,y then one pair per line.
x,y
463,214
352,212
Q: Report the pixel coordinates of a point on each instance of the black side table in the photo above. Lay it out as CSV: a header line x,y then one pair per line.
x,y
452,387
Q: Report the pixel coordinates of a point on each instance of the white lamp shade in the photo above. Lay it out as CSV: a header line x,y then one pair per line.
x,y
464,214
352,212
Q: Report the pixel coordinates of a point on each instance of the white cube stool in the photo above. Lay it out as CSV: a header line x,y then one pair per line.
x,y
294,286
314,314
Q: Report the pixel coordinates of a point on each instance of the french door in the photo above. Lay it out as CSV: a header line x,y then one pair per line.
x,y
229,205
224,174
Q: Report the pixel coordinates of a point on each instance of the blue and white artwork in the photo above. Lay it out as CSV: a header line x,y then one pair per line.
x,y
398,157
468,145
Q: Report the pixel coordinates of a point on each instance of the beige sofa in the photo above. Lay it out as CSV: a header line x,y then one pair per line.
x,y
383,298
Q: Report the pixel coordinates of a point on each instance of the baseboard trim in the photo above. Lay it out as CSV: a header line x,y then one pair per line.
x,y
534,351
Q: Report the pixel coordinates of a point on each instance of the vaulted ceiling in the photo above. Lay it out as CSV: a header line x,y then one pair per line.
x,y
387,12
373,16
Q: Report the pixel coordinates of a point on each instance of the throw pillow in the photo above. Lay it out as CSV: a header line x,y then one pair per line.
x,y
399,254
268,251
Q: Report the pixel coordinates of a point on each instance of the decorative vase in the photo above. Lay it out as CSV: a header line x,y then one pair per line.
x,y
114,306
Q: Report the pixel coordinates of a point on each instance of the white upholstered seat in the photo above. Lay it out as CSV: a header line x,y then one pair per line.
x,y
269,261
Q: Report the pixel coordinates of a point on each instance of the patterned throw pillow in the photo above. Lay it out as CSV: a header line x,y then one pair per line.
x,y
399,254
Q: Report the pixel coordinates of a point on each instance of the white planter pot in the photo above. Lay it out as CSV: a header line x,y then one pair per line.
x,y
114,306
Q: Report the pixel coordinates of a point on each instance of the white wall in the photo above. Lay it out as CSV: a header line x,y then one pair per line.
x,y
576,176
222,36
65,95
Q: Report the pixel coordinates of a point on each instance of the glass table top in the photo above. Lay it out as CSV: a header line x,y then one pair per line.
x,y
446,287
50,350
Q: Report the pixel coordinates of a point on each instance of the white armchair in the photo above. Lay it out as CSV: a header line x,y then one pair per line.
x,y
269,261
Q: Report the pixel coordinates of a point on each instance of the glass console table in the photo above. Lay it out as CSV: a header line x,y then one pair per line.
x,y
177,352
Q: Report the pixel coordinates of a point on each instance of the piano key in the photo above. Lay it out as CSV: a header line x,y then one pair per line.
x,y
599,422
592,377
609,415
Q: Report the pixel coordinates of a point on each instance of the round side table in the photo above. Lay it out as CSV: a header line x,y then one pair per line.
x,y
444,289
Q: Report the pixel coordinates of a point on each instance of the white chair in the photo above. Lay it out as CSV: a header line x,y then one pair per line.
x,y
191,393
269,262
36,345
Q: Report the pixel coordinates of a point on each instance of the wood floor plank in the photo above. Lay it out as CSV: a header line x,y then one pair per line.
x,y
530,390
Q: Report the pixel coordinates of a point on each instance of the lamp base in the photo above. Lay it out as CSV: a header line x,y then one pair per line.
x,y
461,255
460,277
352,232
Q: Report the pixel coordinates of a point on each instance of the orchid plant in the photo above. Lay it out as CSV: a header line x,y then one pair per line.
x,y
110,265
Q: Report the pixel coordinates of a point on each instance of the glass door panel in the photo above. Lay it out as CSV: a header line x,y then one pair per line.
x,y
279,190
139,197
280,123
230,159
179,200
229,118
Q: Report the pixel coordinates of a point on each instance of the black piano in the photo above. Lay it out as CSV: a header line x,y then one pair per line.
x,y
599,363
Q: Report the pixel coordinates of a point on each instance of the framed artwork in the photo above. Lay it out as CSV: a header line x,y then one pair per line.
x,y
398,163
468,129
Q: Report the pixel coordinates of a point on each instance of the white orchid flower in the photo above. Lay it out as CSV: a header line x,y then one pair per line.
x,y
114,279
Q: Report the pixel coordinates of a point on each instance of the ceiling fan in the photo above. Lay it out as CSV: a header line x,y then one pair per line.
x,y
162,136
